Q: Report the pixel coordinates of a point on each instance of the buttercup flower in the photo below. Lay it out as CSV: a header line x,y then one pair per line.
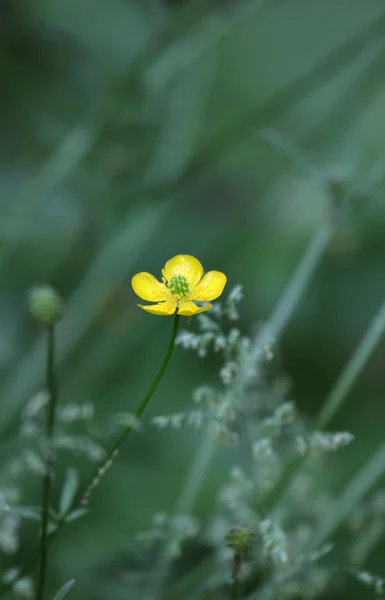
x,y
182,282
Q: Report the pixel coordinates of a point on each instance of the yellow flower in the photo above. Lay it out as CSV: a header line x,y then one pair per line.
x,y
182,282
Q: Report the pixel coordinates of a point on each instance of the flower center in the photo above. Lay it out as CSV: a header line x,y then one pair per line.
x,y
178,285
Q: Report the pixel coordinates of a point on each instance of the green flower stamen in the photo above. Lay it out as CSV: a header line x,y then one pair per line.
x,y
178,285
240,539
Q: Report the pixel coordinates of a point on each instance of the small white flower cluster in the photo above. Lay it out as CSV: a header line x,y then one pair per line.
x,y
233,300
220,413
80,445
211,333
221,434
217,411
9,533
371,580
270,428
234,498
273,541
174,421
193,341
10,520
218,429
22,587
32,415
262,448
318,442
71,412
86,443
27,461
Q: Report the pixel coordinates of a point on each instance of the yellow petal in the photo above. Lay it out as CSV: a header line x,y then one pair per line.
x,y
188,309
210,287
148,288
163,308
185,265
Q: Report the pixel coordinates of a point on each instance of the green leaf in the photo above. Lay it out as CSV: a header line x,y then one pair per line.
x,y
70,486
27,512
52,527
63,591
76,514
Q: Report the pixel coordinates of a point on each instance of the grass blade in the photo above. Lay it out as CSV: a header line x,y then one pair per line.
x,y
64,590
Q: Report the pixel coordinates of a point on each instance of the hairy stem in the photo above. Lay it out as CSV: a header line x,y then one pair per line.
x,y
114,449
49,459
234,588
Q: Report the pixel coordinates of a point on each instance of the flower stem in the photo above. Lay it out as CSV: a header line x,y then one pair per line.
x,y
49,458
236,566
114,449
234,589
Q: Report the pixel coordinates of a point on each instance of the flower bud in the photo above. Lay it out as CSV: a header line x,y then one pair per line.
x,y
240,539
45,305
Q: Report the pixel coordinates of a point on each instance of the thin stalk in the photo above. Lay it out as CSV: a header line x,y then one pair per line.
x,y
234,589
114,449
356,489
292,295
353,369
235,584
49,459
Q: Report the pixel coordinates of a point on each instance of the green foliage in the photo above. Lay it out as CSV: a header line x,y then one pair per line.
x,y
248,133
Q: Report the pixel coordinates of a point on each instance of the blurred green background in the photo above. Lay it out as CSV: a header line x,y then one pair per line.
x,y
133,130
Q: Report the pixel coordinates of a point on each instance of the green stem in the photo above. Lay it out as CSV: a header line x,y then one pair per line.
x,y
234,588
49,459
276,324
353,369
114,449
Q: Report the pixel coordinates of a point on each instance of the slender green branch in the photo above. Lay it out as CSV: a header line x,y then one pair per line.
x,y
353,369
114,449
235,584
49,459
293,293
234,589
355,490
